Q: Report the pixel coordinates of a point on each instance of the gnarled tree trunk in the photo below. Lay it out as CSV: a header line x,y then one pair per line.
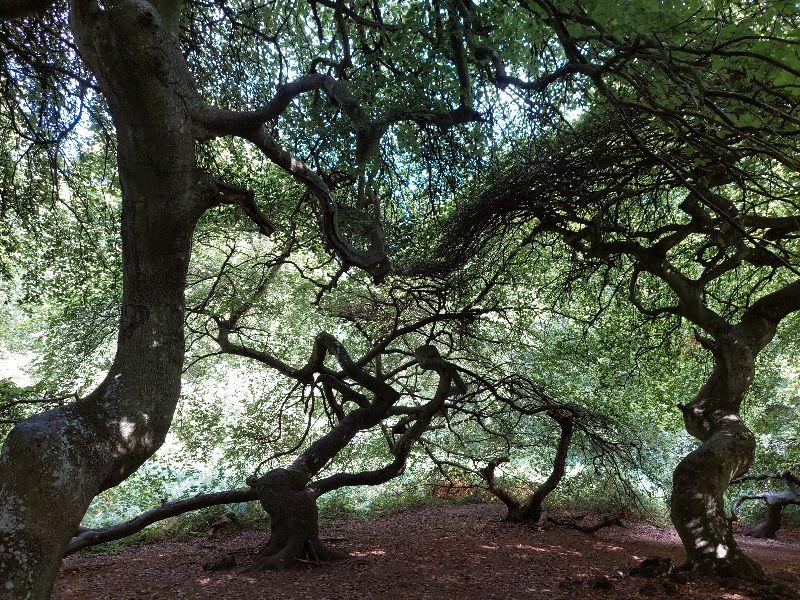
x,y
294,520
769,527
775,501
53,464
726,452
531,509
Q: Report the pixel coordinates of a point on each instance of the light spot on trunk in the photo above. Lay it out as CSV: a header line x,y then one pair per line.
x,y
722,551
126,429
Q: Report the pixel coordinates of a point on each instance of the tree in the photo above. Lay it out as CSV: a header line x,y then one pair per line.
x,y
775,502
689,250
153,77
445,96
55,462
686,184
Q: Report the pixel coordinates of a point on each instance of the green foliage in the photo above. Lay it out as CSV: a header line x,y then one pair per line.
x,y
561,320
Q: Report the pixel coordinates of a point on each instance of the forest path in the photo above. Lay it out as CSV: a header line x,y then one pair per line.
x,y
452,552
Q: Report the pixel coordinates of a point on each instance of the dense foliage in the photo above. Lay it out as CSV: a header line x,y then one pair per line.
x,y
423,236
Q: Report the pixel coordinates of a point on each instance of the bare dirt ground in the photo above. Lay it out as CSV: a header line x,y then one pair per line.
x,y
457,552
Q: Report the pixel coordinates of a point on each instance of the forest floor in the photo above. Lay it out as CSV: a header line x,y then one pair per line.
x,y
452,552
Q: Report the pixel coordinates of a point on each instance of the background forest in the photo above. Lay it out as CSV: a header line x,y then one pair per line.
x,y
59,327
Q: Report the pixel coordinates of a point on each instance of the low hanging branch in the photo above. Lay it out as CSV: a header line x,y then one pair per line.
x,y
91,537
288,494
775,501
588,528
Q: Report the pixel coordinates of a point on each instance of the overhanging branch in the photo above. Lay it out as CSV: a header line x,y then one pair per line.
x,y
91,537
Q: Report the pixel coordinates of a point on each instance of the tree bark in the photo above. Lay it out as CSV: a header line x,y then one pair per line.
x,y
89,537
775,501
531,509
53,464
294,521
769,527
727,451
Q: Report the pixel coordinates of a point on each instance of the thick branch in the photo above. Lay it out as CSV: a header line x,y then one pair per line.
x,y
402,448
218,121
489,476
244,199
91,537
589,528
374,259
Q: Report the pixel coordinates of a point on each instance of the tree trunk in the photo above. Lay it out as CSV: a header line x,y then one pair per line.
x,y
726,452
769,527
531,509
294,521
775,502
53,464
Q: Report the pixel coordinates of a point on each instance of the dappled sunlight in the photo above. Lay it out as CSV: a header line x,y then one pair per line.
x,y
607,547
259,257
560,550
366,553
225,577
396,558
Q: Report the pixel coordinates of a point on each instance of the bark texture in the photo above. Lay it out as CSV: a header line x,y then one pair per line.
x,y
53,464
727,451
294,521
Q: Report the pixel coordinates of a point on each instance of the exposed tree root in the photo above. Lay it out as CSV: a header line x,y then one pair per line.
x,y
588,528
275,557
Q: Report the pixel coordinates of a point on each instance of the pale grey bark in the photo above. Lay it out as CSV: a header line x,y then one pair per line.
x,y
53,464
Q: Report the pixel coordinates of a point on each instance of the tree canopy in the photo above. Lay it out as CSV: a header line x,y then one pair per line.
x,y
318,245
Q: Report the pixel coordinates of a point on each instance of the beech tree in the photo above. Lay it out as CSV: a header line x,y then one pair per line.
x,y
681,174
775,502
682,260
166,80
131,58
364,106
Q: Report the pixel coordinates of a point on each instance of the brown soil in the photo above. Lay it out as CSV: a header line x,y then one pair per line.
x,y
457,552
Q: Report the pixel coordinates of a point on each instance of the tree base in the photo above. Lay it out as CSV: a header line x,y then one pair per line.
x,y
294,519
311,552
741,568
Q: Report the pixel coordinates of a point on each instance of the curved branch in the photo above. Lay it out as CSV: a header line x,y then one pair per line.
x,y
402,448
245,199
91,537
374,260
489,476
531,509
213,122
605,521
